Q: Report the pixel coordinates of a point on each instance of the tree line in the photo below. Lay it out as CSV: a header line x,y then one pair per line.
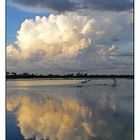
x,y
13,75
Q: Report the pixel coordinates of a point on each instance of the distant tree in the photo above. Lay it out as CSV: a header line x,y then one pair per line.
x,y
85,74
7,73
13,73
25,74
50,75
78,74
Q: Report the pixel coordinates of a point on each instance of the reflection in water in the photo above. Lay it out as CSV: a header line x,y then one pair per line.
x,y
69,112
52,118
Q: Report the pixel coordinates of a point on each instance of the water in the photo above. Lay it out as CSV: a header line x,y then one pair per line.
x,y
69,110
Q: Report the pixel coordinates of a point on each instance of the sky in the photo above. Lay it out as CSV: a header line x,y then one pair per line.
x,y
69,36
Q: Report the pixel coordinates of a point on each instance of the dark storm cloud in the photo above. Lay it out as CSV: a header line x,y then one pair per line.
x,y
109,5
73,5
57,5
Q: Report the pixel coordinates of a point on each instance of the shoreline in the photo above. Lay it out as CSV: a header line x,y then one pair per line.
x,y
75,78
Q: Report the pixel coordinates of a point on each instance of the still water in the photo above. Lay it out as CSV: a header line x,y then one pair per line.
x,y
69,110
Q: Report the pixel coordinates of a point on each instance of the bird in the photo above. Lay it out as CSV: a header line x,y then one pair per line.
x,y
115,82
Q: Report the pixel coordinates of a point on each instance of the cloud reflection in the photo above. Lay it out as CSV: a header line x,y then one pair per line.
x,y
52,118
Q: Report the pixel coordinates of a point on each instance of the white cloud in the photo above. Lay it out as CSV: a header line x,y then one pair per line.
x,y
58,34
12,52
69,41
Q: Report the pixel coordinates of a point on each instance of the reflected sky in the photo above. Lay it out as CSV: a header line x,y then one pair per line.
x,y
73,111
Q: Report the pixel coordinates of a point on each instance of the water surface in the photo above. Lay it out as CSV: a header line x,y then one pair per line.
x,y
70,109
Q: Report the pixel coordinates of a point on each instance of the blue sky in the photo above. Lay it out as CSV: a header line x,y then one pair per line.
x,y
14,17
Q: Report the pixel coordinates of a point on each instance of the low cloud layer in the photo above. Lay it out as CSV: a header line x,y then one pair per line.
x,y
70,43
74,5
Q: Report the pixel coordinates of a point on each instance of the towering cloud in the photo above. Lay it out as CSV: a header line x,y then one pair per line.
x,y
68,43
60,34
49,39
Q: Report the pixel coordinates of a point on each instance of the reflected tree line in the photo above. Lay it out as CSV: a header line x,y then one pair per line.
x,y
14,75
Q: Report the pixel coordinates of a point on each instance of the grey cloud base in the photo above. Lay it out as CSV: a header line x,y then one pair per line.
x,y
74,5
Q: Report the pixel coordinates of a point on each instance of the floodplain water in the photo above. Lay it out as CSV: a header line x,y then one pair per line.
x,y
93,109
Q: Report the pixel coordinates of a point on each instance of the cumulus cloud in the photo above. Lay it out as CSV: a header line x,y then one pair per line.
x,y
53,118
74,5
61,32
68,42
55,37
